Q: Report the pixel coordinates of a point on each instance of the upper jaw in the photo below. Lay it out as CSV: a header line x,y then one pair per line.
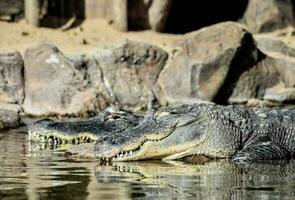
x,y
42,135
139,149
134,152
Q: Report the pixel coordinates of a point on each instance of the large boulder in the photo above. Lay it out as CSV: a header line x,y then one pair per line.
x,y
123,76
130,71
281,57
269,15
11,78
223,64
275,73
272,77
253,82
57,85
284,90
209,65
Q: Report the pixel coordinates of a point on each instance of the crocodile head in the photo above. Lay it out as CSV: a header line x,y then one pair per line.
x,y
82,131
166,133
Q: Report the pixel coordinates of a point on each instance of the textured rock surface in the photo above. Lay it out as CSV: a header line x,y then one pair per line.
x,y
9,117
274,45
56,85
208,61
271,78
130,72
11,77
252,82
222,64
123,76
269,15
280,94
280,57
284,90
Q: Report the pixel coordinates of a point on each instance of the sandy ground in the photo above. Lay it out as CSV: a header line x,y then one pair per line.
x,y
86,37
91,34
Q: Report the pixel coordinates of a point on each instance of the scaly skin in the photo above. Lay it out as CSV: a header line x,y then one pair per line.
x,y
235,132
244,135
84,131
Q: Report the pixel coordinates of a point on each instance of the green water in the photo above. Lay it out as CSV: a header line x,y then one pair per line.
x,y
49,174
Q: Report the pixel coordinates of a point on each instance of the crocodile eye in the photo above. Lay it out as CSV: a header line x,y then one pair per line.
x,y
45,121
113,117
116,117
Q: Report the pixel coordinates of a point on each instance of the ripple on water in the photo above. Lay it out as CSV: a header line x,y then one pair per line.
x,y
49,174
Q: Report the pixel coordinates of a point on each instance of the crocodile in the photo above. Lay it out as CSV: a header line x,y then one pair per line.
x,y
57,133
238,133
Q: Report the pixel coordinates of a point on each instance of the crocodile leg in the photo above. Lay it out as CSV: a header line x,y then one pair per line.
x,y
261,151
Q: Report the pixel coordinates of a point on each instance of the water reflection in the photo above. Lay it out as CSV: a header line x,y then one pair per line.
x,y
214,180
49,174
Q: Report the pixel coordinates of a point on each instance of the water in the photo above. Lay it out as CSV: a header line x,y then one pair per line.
x,y
52,175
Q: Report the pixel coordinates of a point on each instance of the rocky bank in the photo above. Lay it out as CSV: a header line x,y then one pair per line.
x,y
222,63
225,63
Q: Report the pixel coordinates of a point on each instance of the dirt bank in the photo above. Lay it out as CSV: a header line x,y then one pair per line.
x,y
89,35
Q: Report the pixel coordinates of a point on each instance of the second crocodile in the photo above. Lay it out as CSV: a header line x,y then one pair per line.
x,y
235,132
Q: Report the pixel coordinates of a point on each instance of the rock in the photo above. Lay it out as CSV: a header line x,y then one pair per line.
x,y
130,72
80,85
12,107
284,90
280,94
266,16
285,67
11,77
274,45
9,117
253,82
271,79
211,64
281,57
57,85
261,103
222,64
